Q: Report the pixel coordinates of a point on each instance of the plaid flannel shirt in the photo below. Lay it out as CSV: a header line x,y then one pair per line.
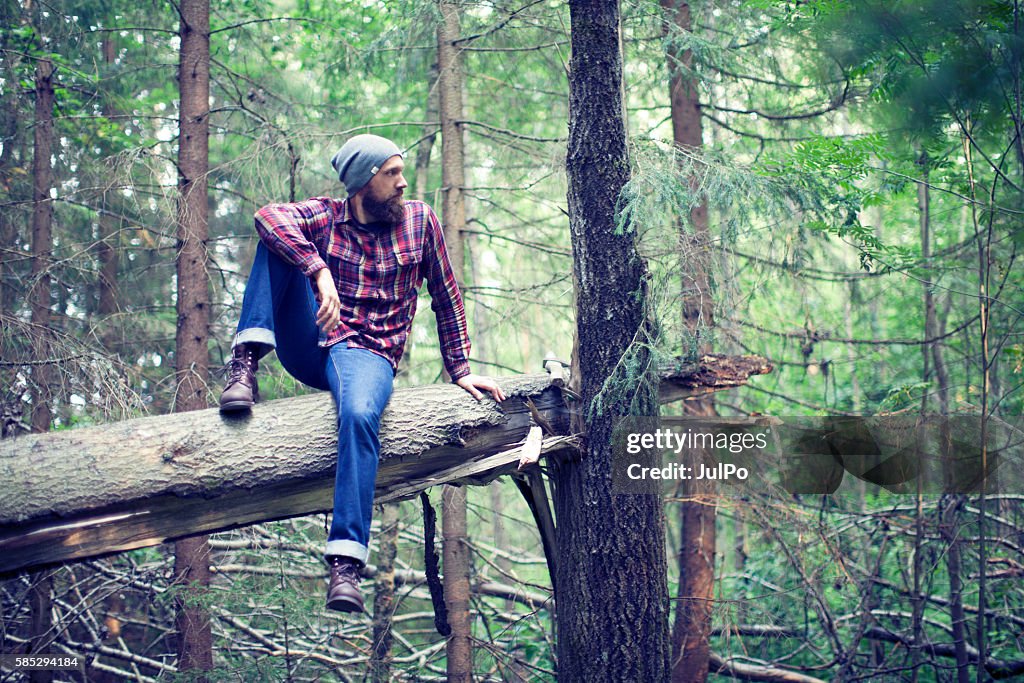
x,y
377,273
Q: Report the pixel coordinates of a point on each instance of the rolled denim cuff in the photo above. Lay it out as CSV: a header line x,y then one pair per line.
x,y
352,549
255,335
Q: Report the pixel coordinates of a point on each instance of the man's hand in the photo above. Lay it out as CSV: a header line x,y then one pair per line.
x,y
475,383
329,315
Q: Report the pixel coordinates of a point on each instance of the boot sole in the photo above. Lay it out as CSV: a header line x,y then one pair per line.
x,y
236,406
345,605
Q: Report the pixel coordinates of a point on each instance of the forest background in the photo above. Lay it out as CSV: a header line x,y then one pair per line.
x,y
835,186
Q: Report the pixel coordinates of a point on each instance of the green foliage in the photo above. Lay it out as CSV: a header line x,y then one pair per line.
x,y
903,397
632,386
814,260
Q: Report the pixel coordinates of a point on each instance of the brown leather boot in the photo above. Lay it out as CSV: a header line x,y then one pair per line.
x,y
343,593
242,390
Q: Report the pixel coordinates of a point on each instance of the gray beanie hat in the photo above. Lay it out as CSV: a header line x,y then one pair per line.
x,y
360,158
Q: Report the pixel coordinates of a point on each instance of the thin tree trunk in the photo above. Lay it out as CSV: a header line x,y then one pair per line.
x,y
41,604
984,317
930,327
192,555
42,374
611,592
932,352
42,245
455,548
480,350
498,536
692,627
688,132
950,529
450,83
109,225
11,242
384,595
426,147
9,239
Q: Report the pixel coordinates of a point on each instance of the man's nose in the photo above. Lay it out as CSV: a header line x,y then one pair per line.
x,y
402,184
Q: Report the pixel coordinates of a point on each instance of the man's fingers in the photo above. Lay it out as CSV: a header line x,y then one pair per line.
x,y
475,385
324,314
328,315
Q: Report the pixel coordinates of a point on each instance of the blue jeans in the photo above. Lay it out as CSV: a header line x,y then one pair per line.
x,y
279,311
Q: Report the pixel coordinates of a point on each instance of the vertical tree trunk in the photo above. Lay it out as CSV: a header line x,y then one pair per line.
x,y
932,352
9,239
688,132
932,358
950,530
455,548
449,89
41,604
429,136
985,262
498,536
42,245
495,489
611,593
192,556
384,595
42,374
10,224
691,631
109,225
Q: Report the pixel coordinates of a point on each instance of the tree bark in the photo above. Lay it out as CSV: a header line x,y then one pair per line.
x,y
193,157
949,528
932,357
691,629
453,178
42,245
612,599
384,595
41,604
86,492
426,147
192,555
9,129
42,374
932,352
109,225
455,546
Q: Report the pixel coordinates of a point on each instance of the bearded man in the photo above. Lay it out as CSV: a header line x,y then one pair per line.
x,y
365,256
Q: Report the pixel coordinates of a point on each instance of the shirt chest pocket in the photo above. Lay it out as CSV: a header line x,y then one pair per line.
x,y
347,263
401,270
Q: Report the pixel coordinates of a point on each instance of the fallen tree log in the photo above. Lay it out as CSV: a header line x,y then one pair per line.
x,y
85,492
99,490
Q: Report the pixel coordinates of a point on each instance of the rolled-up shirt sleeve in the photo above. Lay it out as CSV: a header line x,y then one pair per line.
x,y
446,301
294,231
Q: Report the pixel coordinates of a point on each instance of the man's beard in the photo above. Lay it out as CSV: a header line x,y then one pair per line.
x,y
390,211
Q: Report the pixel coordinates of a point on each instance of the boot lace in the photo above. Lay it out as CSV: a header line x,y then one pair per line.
x,y
348,571
237,370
